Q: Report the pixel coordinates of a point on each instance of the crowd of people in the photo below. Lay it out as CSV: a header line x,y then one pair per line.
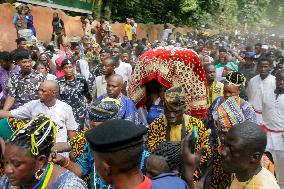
x,y
184,111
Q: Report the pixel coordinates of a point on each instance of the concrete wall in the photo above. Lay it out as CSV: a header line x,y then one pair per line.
x,y
73,26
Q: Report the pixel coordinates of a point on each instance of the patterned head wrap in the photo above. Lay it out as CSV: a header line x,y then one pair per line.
x,y
229,113
104,110
9,126
235,78
38,135
175,99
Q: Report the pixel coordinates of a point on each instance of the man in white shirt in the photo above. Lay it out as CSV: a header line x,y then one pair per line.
x,y
273,123
100,83
259,84
58,111
122,68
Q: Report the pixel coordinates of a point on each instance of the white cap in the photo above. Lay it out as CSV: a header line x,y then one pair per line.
x,y
264,47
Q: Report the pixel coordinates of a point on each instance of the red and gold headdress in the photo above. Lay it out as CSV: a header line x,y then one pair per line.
x,y
171,66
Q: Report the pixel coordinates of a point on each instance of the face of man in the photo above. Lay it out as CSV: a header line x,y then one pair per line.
x,y
210,73
107,67
45,93
257,49
280,82
77,50
263,69
55,15
115,52
174,117
231,90
125,39
22,45
104,55
222,60
114,87
25,65
156,165
124,57
234,157
102,167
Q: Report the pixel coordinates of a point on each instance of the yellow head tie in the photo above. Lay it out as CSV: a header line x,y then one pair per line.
x,y
108,99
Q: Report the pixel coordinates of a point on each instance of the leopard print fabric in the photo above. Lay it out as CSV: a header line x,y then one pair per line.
x,y
219,178
156,135
77,144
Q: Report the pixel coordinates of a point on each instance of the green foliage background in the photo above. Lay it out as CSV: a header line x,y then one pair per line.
x,y
223,14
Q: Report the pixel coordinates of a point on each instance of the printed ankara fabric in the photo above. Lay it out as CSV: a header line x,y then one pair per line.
x,y
171,66
157,134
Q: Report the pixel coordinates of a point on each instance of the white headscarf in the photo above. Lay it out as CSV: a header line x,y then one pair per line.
x,y
84,68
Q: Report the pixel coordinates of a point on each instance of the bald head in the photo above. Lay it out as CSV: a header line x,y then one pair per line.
x,y
114,85
50,85
48,91
117,78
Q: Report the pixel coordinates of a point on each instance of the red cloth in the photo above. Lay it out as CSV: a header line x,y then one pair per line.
x,y
146,184
266,130
171,66
58,61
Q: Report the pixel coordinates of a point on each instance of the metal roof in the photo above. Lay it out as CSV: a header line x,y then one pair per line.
x,y
56,6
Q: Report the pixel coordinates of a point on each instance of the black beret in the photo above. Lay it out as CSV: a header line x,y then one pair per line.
x,y
115,135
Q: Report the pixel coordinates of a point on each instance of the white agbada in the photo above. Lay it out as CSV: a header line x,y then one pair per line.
x,y
99,85
273,119
61,114
255,90
125,70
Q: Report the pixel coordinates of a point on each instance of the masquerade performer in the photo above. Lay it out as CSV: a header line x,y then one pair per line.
x,y
171,66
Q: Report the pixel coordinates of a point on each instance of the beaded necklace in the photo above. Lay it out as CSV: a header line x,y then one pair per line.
x,y
95,180
42,184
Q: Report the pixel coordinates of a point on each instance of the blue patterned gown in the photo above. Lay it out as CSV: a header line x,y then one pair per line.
x,y
128,110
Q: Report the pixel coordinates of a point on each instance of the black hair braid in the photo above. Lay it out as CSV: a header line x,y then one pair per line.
x,y
22,137
171,151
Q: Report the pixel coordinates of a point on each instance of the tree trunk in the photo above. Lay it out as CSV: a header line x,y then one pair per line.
x,y
98,9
